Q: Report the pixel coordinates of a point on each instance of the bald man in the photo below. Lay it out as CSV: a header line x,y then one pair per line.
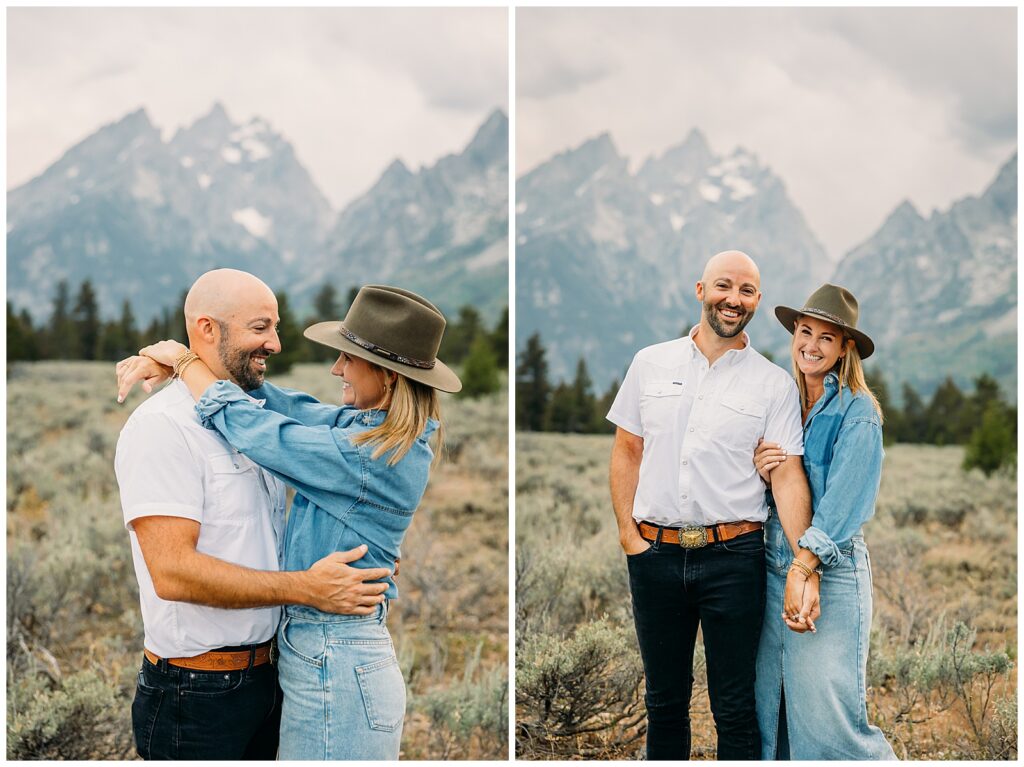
x,y
691,507
206,525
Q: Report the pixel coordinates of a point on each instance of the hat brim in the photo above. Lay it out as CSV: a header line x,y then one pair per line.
x,y
439,377
788,317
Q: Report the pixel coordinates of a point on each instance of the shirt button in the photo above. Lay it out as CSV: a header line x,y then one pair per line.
x,y
684,497
700,396
684,463
691,428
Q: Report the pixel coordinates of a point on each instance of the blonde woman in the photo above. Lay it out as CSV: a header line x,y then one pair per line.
x,y
811,670
359,472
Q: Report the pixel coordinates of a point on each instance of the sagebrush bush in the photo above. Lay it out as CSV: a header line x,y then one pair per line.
x,y
473,708
81,717
587,682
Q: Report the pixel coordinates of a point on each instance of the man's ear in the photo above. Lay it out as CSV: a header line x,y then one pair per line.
x,y
207,328
700,291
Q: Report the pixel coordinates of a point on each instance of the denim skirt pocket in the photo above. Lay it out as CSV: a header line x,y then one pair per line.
x,y
383,691
304,640
145,710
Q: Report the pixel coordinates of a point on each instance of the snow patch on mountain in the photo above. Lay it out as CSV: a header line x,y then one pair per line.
x,y
254,222
709,191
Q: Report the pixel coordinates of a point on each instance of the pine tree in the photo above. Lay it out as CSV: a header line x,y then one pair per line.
x,y
480,373
459,336
532,387
914,421
177,325
583,399
86,316
499,340
325,309
891,416
120,338
21,340
992,444
290,335
61,341
562,410
600,424
943,414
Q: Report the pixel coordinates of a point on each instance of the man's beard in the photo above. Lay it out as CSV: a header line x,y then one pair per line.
x,y
723,331
238,363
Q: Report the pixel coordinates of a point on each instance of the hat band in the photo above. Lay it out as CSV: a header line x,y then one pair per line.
x,y
380,351
827,315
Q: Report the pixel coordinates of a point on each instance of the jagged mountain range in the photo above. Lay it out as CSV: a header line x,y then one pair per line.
x,y
142,218
607,260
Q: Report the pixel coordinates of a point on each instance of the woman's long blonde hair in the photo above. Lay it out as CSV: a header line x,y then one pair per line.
x,y
409,404
849,368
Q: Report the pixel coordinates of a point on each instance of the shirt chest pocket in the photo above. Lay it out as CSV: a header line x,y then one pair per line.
x,y
742,422
239,489
659,406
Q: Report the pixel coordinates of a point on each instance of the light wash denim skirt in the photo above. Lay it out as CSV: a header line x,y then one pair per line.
x,y
823,673
344,696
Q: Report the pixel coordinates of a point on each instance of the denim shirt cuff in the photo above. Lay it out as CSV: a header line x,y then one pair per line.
x,y
217,395
823,547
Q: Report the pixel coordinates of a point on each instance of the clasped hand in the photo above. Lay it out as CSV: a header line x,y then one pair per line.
x,y
801,601
767,456
150,367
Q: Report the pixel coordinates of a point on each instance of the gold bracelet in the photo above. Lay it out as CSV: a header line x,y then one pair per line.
x,y
182,361
804,568
185,364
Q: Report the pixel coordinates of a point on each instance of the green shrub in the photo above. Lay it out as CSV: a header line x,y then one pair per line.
x,y
83,717
475,707
588,682
992,443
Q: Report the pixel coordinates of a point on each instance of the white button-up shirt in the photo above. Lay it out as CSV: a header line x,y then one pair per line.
x,y
167,464
700,425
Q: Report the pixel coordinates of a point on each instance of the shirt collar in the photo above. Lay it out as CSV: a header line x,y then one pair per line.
x,y
731,357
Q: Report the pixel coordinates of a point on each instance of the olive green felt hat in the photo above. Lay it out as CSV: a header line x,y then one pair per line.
x,y
832,304
393,328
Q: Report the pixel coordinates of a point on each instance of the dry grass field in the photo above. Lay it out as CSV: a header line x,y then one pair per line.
x,y
942,671
74,632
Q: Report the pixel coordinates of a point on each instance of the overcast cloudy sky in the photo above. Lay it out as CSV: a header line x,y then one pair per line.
x,y
350,88
855,109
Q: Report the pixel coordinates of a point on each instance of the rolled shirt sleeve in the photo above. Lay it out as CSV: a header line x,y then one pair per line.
x,y
318,461
850,489
298,405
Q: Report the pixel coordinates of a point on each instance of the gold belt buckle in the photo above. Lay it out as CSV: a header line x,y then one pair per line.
x,y
693,537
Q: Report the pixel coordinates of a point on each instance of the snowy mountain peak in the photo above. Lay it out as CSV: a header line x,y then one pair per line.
x,y
1002,192
681,163
904,215
211,129
489,136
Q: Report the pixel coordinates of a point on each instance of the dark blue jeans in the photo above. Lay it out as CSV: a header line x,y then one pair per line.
x,y
212,715
721,588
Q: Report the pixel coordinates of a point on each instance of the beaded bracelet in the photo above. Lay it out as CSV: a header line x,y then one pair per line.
x,y
183,360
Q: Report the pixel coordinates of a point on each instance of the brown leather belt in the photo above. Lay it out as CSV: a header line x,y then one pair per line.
x,y
695,536
219,660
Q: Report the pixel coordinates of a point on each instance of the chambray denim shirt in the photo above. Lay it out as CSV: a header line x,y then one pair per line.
x,y
843,460
343,497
